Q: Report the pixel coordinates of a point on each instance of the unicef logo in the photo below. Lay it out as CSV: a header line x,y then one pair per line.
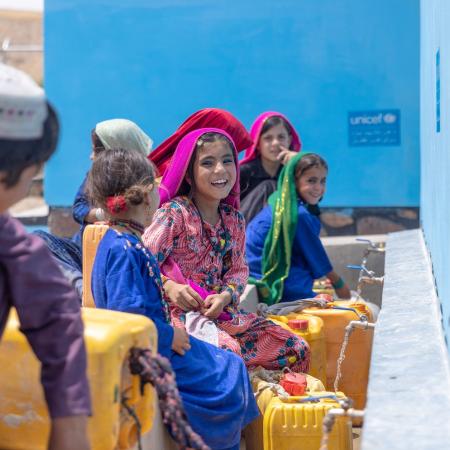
x,y
389,118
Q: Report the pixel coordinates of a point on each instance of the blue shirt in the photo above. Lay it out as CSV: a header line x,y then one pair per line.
x,y
309,260
124,279
80,210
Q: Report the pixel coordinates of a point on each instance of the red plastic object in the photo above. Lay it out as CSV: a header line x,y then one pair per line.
x,y
298,324
294,383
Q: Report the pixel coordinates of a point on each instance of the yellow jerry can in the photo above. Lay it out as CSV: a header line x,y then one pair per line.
x,y
355,368
311,329
92,235
109,335
292,425
254,439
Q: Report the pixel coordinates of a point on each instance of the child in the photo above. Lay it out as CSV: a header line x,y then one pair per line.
x,y
48,310
199,231
113,133
213,384
68,252
283,245
208,117
275,142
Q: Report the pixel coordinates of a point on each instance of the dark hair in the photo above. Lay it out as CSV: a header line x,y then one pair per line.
x,y
97,144
16,155
273,121
207,138
307,162
119,172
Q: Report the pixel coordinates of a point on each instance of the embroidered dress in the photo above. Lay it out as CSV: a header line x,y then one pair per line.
x,y
213,384
178,231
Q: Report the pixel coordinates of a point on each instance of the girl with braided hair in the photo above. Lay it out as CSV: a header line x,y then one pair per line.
x,y
213,384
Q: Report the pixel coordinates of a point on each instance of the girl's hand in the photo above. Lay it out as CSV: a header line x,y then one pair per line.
x,y
343,292
69,433
214,304
180,341
285,155
182,296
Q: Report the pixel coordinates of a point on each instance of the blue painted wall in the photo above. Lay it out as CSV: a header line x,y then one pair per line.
x,y
435,145
156,62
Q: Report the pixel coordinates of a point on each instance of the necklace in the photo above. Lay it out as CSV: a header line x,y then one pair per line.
x,y
219,247
134,227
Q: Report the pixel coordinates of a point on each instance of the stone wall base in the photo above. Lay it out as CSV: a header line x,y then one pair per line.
x,y
361,220
335,221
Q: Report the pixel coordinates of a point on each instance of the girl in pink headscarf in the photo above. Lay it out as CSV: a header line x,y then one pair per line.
x,y
275,142
198,237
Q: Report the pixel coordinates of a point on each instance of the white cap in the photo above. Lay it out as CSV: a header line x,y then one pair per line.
x,y
23,106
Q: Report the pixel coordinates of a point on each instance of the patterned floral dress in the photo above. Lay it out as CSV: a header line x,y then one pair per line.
x,y
213,257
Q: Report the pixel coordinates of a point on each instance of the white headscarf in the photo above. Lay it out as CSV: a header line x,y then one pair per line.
x,y
23,106
122,133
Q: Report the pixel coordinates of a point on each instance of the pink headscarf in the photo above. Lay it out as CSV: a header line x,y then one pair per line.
x,y
175,174
255,132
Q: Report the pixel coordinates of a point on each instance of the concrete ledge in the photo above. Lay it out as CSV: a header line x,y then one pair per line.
x,y
409,387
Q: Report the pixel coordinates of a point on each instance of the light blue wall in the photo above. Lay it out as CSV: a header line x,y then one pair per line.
x,y
435,156
156,62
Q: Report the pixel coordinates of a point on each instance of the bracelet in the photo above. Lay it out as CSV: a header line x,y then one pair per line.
x,y
164,279
340,283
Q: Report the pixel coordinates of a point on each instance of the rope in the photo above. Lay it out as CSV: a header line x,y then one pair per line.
x,y
272,379
283,309
348,331
327,426
133,414
157,371
316,399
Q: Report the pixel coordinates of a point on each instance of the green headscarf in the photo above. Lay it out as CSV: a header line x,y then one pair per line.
x,y
276,259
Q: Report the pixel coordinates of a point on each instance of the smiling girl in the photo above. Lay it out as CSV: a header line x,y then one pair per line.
x,y
283,247
198,236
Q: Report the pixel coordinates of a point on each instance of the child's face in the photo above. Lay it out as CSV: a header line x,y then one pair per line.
x,y
270,142
312,184
10,196
214,171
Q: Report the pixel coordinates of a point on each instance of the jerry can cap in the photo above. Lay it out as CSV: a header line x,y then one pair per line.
x,y
298,324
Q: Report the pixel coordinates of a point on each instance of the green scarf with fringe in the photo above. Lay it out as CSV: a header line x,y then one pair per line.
x,y
276,259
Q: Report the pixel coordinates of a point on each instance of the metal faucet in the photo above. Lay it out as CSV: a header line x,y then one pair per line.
x,y
366,276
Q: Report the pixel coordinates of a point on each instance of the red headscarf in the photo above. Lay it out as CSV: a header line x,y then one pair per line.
x,y
205,118
255,132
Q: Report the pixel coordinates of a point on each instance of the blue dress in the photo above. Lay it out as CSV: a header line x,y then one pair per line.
x,y
213,383
309,260
67,252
